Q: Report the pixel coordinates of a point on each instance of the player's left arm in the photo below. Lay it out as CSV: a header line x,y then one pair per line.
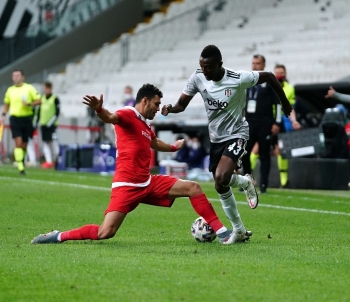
x,y
97,105
159,145
269,77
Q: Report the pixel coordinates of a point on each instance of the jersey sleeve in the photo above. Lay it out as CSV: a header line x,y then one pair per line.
x,y
124,117
7,97
248,78
191,88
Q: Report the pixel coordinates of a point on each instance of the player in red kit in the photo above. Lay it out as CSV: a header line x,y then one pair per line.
x,y
132,182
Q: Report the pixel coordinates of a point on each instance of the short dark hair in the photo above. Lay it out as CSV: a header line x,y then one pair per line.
x,y
211,51
48,84
19,70
281,66
149,91
257,56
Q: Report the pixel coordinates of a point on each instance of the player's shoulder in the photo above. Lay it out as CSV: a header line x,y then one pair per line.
x,y
28,86
197,73
235,74
131,111
126,111
11,88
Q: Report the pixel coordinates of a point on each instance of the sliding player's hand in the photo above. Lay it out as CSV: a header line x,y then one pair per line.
x,y
179,144
93,102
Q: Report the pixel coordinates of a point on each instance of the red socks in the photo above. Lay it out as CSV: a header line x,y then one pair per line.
x,y
89,231
203,207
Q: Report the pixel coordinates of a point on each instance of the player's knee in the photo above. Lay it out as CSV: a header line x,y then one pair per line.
x,y
194,188
106,233
222,179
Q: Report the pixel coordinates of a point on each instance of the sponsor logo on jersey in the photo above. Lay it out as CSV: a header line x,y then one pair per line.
x,y
228,92
216,105
144,133
205,91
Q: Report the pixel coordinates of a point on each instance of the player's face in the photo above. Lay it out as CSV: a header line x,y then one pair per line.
x,y
280,73
258,64
152,107
211,68
47,90
17,77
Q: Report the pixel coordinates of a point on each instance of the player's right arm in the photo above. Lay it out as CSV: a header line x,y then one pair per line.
x,y
96,104
188,93
4,112
180,106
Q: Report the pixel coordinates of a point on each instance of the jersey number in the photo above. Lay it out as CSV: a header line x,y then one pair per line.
x,y
235,148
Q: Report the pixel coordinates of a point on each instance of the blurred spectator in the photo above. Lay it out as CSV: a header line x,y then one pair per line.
x,y
182,154
193,153
288,124
196,153
128,98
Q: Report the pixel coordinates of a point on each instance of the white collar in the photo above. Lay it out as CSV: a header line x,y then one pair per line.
x,y
138,114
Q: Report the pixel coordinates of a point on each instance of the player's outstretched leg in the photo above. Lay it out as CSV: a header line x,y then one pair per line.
x,y
108,228
89,231
51,237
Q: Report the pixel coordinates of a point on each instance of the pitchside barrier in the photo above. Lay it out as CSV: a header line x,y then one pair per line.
x,y
96,158
308,169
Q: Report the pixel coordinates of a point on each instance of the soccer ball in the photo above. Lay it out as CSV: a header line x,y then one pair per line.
x,y
202,231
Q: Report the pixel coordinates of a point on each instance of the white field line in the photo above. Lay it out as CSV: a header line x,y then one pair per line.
x,y
53,183
44,182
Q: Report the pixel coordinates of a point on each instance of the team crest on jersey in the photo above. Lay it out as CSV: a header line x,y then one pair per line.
x,y
228,92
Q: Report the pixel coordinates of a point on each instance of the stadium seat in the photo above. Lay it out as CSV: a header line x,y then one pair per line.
x,y
166,50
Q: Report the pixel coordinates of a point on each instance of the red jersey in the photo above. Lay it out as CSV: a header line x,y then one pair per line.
x,y
133,144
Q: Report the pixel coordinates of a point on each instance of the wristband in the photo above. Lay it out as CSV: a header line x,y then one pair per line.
x,y
173,148
99,110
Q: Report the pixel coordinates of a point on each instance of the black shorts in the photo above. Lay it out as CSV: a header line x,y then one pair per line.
x,y
234,149
47,132
22,127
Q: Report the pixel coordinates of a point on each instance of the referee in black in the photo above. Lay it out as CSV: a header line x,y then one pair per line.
x,y
263,113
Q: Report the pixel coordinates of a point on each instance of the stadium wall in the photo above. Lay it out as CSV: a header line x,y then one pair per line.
x,y
88,37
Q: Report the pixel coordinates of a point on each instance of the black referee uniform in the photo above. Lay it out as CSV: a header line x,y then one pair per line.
x,y
262,111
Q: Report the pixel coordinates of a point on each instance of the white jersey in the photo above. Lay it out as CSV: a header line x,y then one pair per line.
x,y
224,102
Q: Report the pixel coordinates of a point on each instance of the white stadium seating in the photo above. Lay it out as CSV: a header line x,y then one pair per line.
x,y
308,36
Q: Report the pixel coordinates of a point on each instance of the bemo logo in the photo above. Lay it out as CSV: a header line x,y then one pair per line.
x,y
216,105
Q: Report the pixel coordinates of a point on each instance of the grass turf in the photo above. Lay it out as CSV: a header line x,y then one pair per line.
x,y
299,251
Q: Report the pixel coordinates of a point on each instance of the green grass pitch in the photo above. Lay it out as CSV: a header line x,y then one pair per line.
x,y
299,251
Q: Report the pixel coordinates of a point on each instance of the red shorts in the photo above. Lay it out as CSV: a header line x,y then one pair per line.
x,y
126,198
